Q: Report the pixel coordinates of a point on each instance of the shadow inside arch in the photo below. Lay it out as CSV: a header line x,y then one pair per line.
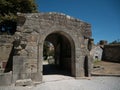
x,y
86,73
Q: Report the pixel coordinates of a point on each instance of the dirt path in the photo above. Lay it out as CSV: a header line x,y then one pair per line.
x,y
107,68
95,83
63,82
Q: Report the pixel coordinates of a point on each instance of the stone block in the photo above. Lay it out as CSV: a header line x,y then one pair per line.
x,y
5,79
18,66
25,82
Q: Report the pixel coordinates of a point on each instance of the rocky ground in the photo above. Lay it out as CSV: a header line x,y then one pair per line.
x,y
106,77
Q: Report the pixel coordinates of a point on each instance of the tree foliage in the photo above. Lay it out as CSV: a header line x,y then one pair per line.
x,y
10,8
115,41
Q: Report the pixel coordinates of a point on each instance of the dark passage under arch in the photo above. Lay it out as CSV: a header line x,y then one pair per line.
x,y
86,66
62,55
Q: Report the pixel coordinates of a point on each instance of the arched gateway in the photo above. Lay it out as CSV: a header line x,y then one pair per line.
x,y
64,51
69,36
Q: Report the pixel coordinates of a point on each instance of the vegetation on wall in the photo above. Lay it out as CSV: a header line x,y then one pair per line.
x,y
9,10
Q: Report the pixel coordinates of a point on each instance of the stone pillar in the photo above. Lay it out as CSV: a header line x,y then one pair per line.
x,y
39,75
79,63
90,44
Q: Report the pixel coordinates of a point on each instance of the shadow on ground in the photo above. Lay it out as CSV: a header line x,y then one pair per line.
x,y
51,69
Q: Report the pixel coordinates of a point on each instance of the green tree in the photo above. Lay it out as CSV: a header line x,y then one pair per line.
x,y
115,41
9,10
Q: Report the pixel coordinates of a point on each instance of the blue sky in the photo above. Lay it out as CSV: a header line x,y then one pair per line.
x,y
103,15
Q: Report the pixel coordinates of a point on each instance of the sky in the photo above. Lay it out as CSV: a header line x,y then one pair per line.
x,y
103,15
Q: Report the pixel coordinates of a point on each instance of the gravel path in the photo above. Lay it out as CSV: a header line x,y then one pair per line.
x,y
95,83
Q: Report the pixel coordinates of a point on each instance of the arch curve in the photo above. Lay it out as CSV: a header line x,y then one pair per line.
x,y
64,50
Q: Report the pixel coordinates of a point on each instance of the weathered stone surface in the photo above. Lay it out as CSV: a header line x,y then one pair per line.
x,y
19,67
6,48
5,79
25,82
69,36
111,53
96,53
23,67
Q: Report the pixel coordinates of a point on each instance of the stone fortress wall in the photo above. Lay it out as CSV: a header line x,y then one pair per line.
x,y
105,52
111,53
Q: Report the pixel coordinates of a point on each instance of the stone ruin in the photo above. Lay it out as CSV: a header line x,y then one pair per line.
x,y
21,55
111,53
105,52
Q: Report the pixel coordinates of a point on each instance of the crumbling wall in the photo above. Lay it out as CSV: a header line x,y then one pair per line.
x,y
24,50
36,27
6,46
5,50
96,53
111,53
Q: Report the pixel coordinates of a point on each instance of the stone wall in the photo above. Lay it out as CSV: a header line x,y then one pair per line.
x,y
5,79
6,46
96,52
5,50
22,53
111,53
33,30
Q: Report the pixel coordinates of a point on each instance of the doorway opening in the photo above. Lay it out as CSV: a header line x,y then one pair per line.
x,y
58,53
86,67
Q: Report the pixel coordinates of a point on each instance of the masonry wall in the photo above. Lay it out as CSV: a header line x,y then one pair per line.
x,y
22,53
33,30
5,50
111,53
96,53
6,46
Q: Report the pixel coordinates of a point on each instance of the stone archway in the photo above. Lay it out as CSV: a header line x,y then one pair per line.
x,y
72,34
64,53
